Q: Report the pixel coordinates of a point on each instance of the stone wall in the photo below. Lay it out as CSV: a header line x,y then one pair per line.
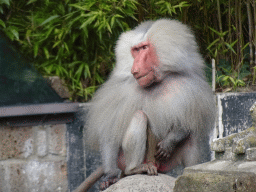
x,y
233,113
234,167
33,158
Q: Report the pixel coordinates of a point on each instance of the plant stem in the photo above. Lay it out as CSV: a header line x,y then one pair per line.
x,y
206,22
230,34
237,30
250,30
220,24
240,37
254,39
219,15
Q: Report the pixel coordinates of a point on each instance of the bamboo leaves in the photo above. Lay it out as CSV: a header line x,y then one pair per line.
x,y
76,39
49,19
168,8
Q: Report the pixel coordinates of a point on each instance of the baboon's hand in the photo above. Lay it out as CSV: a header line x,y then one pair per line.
x,y
164,150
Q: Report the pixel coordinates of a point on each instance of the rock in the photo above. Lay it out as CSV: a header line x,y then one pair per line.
x,y
237,146
144,183
218,175
253,114
59,86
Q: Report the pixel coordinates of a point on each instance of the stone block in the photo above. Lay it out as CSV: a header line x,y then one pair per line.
x,y
234,115
251,154
43,176
218,145
218,176
59,86
41,141
226,155
57,139
235,147
16,142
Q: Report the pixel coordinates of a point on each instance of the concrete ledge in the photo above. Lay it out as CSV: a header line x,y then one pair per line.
x,y
38,109
218,176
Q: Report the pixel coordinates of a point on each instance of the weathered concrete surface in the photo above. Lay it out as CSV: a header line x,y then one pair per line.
x,y
233,170
43,176
33,158
16,142
215,176
144,183
233,112
59,86
238,146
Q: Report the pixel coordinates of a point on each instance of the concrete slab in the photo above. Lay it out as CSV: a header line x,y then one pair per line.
x,y
218,175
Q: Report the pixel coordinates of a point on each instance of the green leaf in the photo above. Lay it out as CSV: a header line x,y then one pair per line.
x,y
225,78
245,46
112,21
7,2
234,28
2,24
66,46
240,82
88,21
215,53
214,30
215,41
73,64
160,2
78,7
49,69
120,9
87,71
49,19
49,32
232,80
219,33
230,47
31,1
60,34
55,44
36,49
46,52
120,24
108,26
98,78
79,72
15,33
86,7
28,33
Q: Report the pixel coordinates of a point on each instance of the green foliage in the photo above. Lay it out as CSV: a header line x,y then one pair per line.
x,y
228,78
71,39
219,46
3,4
165,8
231,81
75,39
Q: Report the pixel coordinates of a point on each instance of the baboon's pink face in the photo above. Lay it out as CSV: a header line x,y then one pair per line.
x,y
146,64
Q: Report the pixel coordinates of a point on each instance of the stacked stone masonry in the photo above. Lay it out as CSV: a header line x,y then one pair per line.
x,y
33,158
233,170
238,146
234,167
